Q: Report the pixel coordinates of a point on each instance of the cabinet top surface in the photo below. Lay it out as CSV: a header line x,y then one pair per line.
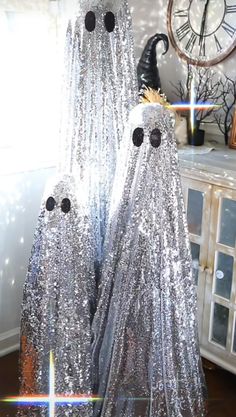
x,y
219,164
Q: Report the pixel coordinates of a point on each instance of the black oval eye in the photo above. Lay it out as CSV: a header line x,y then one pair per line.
x,y
138,136
90,21
109,21
155,138
65,205
50,204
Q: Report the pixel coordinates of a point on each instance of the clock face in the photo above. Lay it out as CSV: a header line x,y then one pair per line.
x,y
202,31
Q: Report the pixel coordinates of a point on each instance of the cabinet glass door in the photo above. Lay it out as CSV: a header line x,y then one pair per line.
x,y
219,335
197,196
195,251
195,211
227,232
234,340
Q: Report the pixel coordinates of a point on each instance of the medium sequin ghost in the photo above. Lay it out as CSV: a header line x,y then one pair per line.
x,y
101,89
145,350
58,301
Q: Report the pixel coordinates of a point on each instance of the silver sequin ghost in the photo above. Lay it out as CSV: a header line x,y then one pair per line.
x,y
58,301
100,90
145,350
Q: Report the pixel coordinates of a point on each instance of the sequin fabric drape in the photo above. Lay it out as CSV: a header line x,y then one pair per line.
x,y
59,293
59,300
100,90
145,350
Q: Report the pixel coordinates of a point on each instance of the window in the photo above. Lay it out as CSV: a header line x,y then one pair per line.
x,y
30,78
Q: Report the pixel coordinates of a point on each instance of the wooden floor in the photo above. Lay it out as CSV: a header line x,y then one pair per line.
x,y
221,388
8,382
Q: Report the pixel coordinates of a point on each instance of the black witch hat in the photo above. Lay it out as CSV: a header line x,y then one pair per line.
x,y
148,74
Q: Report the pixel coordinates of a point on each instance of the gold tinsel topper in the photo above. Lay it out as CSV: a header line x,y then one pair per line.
x,y
149,95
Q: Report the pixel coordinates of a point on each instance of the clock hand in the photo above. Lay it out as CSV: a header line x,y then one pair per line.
x,y
203,22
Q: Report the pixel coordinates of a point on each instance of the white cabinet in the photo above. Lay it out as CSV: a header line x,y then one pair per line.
x,y
211,214
219,335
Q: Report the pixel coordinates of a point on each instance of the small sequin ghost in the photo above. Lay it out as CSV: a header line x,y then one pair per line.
x,y
100,90
145,350
58,301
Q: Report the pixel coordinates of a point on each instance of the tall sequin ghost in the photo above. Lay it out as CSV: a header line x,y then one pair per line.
x,y
100,90
58,301
145,349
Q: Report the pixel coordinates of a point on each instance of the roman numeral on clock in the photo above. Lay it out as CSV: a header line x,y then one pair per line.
x,y
202,50
230,30
191,42
181,13
231,9
218,45
183,31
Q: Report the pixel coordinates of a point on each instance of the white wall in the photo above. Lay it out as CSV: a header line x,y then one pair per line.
x,y
21,194
28,138
149,17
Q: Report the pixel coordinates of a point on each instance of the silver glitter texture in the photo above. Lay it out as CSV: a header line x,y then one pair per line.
x,y
58,302
59,294
100,91
146,351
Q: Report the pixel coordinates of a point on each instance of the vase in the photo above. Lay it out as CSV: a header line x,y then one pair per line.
x,y
196,135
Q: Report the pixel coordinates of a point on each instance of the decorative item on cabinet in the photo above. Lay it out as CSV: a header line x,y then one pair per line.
x,y
181,131
224,117
148,73
232,142
206,91
196,135
204,38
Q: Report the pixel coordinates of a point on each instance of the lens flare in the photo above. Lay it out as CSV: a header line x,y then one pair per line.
x,y
51,386
192,106
52,399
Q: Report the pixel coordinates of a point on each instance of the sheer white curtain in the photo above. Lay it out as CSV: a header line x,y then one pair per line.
x,y
30,84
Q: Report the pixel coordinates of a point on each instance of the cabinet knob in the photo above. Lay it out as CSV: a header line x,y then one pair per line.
x,y
219,274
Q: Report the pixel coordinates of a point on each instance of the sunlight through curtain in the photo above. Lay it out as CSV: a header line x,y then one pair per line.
x,y
30,79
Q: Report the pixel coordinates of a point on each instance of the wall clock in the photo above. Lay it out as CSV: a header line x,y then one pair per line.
x,y
203,32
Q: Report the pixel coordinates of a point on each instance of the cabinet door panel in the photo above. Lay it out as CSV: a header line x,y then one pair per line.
x,y
220,323
218,336
195,251
197,196
224,275
195,211
227,235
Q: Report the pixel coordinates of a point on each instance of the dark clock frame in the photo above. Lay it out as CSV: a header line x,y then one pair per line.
x,y
182,55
